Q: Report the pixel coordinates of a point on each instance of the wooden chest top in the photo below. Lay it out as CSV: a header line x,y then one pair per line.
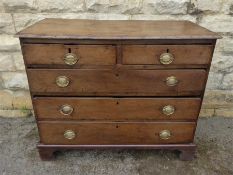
x,y
117,29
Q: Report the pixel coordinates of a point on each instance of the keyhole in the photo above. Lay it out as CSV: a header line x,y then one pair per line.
x,y
167,50
69,50
117,126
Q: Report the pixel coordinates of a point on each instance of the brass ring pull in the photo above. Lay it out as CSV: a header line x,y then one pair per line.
x,y
69,134
165,134
168,110
166,58
66,109
70,59
171,81
62,81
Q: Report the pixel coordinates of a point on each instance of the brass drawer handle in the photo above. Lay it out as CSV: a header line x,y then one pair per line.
x,y
62,81
168,110
165,134
66,109
171,81
69,134
70,59
166,58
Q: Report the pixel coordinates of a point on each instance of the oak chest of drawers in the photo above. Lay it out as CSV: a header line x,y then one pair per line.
x,y
117,84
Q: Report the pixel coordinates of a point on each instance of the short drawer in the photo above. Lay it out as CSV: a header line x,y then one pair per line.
x,y
117,83
167,54
115,133
76,108
70,55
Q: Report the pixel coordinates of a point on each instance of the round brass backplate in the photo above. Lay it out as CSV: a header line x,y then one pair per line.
x,y
168,110
62,81
165,134
66,109
69,134
70,58
171,81
166,58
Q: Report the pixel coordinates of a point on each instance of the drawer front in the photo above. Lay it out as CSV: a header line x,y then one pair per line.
x,y
115,133
75,108
180,54
58,54
120,83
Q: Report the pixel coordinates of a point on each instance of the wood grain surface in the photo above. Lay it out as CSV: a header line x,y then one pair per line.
x,y
53,54
117,109
117,83
115,132
183,54
115,29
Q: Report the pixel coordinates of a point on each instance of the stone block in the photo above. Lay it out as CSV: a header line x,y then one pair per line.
x,y
6,24
218,23
23,20
60,6
17,6
6,97
132,7
172,7
164,17
206,112
213,6
15,113
117,6
227,7
17,58
218,99
214,80
227,82
108,16
21,100
222,63
224,112
15,99
14,80
225,45
2,10
6,62
99,6
9,43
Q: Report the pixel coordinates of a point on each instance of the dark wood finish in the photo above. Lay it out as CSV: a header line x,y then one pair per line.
x,y
118,109
120,66
118,87
48,54
114,133
46,153
50,149
183,54
117,29
118,83
118,41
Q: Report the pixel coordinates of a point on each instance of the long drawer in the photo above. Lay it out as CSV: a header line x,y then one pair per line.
x,y
117,83
116,133
167,54
76,108
72,55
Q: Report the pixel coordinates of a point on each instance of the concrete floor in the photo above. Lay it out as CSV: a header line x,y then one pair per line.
x,y
18,154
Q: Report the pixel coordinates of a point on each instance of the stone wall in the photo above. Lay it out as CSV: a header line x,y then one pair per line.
x,y
216,15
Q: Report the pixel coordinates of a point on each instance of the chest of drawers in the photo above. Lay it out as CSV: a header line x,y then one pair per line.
x,y
117,84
